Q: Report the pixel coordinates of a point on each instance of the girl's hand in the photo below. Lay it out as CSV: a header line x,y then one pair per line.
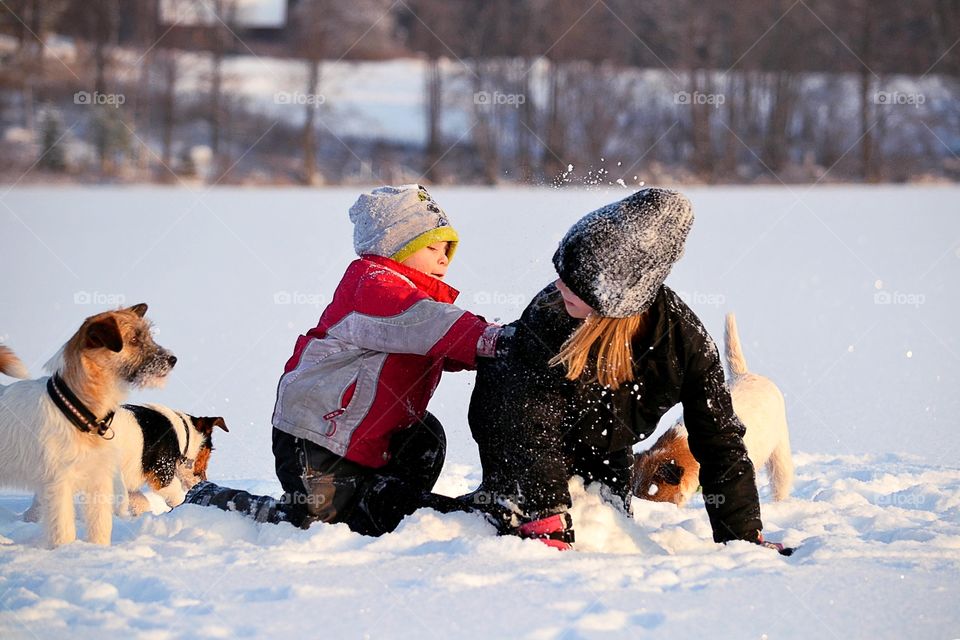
x,y
777,546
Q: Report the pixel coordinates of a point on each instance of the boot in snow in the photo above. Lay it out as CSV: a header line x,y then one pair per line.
x,y
260,508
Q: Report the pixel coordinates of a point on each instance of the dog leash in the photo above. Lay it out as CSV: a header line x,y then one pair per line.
x,y
76,412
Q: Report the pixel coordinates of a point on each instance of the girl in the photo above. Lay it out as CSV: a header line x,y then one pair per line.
x,y
596,359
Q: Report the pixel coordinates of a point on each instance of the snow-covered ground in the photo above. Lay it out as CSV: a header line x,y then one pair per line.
x,y
847,297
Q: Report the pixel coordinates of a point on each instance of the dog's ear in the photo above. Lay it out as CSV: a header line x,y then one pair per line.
x,y
206,424
139,309
670,472
104,333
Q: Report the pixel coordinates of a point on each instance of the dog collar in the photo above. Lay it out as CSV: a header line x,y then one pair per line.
x,y
186,447
76,412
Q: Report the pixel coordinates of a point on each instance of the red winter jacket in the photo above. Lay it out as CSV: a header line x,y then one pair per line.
x,y
371,365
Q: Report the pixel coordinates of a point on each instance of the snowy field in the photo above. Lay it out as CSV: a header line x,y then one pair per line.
x,y
846,296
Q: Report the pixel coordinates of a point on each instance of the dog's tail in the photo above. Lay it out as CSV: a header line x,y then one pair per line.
x,y
11,365
736,363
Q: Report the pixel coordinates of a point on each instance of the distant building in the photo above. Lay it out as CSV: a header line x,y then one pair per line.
x,y
192,24
246,14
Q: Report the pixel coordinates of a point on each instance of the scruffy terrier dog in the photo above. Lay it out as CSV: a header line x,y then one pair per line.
x,y
55,432
668,472
166,449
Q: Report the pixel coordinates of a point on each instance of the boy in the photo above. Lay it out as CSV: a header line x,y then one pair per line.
x,y
352,439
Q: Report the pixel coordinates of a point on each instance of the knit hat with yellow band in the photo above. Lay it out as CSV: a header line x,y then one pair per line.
x,y
396,222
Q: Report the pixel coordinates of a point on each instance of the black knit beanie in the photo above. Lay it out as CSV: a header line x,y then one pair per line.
x,y
616,258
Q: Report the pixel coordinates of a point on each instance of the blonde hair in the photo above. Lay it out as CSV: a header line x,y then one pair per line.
x,y
610,339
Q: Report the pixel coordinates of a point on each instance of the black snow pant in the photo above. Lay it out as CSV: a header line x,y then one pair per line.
x,y
613,470
319,485
532,475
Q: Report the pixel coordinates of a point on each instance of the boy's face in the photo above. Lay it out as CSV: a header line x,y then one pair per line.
x,y
431,260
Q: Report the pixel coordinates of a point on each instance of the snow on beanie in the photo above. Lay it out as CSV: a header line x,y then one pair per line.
x,y
396,222
616,258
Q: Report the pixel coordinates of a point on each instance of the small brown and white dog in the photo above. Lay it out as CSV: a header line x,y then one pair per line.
x,y
668,472
166,449
54,432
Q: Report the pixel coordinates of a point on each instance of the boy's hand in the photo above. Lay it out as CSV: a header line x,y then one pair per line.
x,y
495,341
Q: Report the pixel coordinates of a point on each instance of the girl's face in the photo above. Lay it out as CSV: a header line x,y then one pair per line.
x,y
576,308
431,260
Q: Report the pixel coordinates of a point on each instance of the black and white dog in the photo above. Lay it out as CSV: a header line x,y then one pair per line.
x,y
168,450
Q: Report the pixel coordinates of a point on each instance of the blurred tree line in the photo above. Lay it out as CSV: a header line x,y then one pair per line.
x,y
736,91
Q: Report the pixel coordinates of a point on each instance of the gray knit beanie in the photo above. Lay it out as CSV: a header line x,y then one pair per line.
x,y
396,222
616,258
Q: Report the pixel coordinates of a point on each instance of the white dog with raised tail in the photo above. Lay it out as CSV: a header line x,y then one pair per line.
x,y
668,472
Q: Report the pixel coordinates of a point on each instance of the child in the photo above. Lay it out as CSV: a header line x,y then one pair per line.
x,y
597,358
352,439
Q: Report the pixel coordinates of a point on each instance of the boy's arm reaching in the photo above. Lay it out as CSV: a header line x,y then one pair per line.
x,y
426,327
493,343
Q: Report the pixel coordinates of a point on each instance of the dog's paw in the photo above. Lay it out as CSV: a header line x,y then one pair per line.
x,y
175,499
138,504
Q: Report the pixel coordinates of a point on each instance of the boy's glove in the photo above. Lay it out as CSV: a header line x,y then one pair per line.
x,y
495,341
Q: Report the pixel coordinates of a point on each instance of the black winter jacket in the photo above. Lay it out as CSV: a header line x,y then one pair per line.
x,y
535,429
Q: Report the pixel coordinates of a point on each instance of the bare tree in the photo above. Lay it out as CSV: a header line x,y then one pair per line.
x,y
30,21
525,32
865,45
433,29
145,33
325,29
223,34
168,105
570,34
97,22
945,27
485,39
